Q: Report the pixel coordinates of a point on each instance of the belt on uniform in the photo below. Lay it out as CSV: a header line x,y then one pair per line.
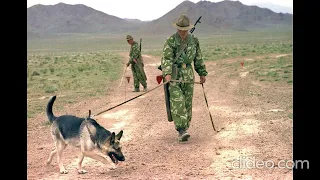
x,y
184,65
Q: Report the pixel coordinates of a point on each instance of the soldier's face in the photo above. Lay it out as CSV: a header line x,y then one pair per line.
x,y
183,33
130,41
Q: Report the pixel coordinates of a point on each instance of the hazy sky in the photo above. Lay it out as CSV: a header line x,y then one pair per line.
x,y
147,9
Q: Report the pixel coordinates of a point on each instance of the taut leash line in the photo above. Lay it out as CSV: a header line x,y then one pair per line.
x,y
205,97
130,99
143,94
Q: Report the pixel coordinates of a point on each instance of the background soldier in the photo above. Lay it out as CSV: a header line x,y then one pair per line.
x,y
137,66
181,94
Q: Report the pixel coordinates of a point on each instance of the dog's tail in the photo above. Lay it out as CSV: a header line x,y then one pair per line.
x,y
50,115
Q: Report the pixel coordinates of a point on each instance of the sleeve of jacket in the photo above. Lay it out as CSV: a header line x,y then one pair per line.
x,y
199,65
130,61
167,57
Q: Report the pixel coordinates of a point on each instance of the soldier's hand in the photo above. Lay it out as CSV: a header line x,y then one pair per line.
x,y
135,61
168,78
202,79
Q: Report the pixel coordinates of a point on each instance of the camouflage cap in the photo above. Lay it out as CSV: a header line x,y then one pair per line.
x,y
128,37
182,23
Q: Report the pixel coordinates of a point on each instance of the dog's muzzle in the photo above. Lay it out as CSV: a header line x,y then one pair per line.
x,y
115,157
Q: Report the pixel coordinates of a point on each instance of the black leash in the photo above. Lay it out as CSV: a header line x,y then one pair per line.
x,y
93,139
205,97
130,99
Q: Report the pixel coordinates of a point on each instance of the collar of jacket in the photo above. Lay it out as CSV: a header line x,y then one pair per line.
x,y
178,38
134,42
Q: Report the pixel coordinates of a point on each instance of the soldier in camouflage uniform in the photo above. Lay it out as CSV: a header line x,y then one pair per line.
x,y
137,66
181,94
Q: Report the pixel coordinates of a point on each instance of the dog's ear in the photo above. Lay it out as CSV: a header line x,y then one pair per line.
x,y
112,138
119,135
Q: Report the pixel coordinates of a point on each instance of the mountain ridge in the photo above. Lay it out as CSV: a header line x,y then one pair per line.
x,y
79,18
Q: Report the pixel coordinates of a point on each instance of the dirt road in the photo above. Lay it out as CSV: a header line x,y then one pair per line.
x,y
257,129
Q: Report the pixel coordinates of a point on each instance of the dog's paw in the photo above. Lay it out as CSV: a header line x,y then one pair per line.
x,y
82,171
63,171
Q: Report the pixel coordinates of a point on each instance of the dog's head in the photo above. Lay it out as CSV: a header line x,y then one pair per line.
x,y
113,148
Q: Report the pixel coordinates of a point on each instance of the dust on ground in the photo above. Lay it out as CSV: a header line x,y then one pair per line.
x,y
257,129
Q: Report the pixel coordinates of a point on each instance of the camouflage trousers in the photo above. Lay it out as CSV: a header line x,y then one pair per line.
x,y
139,76
181,95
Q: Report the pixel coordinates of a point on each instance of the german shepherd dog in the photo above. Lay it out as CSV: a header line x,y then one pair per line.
x,y
85,133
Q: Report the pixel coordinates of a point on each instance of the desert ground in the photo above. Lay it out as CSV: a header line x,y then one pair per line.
x,y
256,116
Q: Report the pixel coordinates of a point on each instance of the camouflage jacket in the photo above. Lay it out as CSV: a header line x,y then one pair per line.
x,y
192,52
135,53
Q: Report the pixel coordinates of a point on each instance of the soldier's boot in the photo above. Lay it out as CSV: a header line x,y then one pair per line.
x,y
145,89
136,90
183,136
